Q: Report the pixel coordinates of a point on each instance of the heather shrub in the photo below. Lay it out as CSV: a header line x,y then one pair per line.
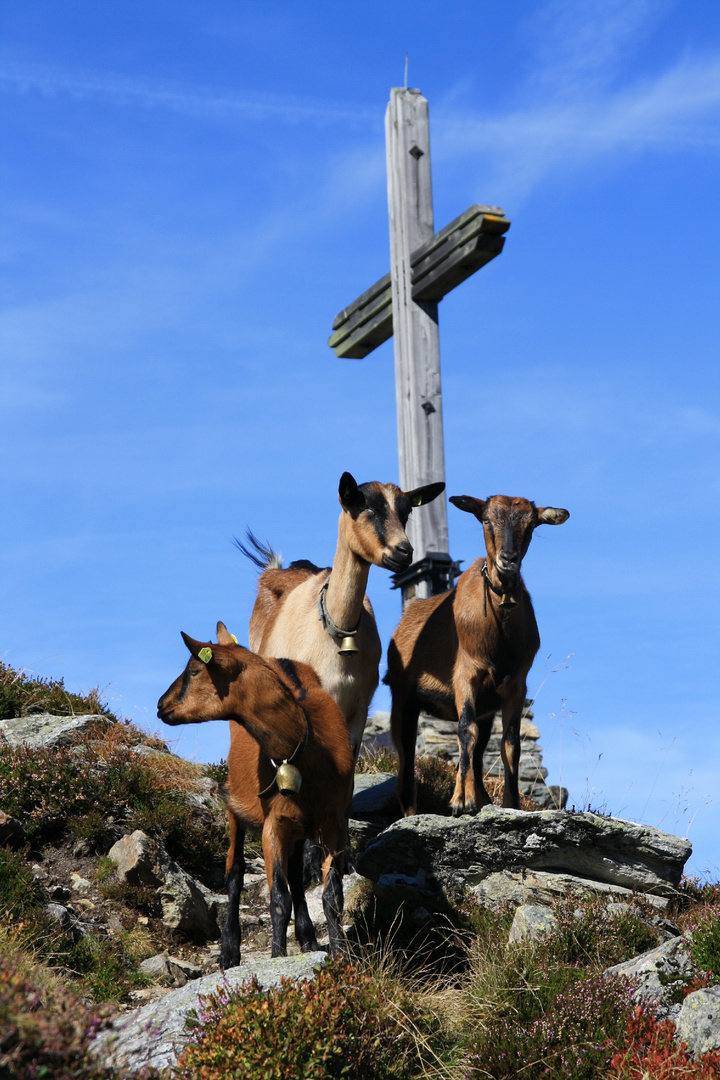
x,y
705,946
573,1032
384,759
590,935
44,1033
18,692
344,1023
435,780
650,1053
57,788
217,771
20,895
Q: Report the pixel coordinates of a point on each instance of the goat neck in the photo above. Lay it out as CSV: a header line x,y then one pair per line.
x,y
503,591
347,584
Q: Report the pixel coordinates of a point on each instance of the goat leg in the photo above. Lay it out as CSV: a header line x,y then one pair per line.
x,y
463,799
480,795
332,896
304,929
234,879
404,725
275,853
510,747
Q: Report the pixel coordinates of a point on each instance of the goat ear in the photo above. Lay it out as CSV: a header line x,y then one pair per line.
x,y
469,505
423,495
193,645
348,492
551,515
224,636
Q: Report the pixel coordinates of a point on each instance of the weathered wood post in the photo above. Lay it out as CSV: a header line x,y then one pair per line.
x,y
415,326
425,266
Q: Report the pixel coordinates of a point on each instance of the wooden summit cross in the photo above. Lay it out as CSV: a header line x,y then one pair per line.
x,y
425,265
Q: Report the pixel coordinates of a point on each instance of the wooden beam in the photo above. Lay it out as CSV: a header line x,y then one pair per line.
x,y
437,266
415,326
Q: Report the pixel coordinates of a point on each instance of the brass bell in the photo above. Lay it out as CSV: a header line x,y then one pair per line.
x,y
508,600
347,645
288,779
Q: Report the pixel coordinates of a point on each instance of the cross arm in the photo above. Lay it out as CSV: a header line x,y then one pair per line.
x,y
444,261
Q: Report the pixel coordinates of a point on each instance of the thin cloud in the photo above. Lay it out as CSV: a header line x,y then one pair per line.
x,y
677,111
201,102
581,43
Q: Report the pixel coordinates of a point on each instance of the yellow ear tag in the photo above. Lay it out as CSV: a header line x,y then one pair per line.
x,y
205,655
235,639
417,501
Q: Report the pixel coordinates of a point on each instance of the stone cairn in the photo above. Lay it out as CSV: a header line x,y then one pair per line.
x,y
439,737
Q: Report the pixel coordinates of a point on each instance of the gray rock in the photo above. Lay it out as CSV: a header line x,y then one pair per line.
x,y
313,898
60,914
532,921
466,850
79,883
521,886
217,904
374,794
698,1022
161,969
362,832
662,975
154,1035
191,970
559,796
44,729
141,860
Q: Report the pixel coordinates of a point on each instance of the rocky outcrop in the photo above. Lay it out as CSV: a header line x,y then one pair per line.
x,y
427,853
142,861
154,1035
44,729
538,886
661,975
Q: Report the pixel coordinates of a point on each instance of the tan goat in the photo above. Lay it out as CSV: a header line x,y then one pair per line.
x,y
305,612
278,713
465,654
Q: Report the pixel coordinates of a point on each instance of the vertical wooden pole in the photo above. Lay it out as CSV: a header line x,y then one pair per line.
x,y
415,326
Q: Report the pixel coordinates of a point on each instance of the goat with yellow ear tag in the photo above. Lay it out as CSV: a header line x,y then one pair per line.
x,y
279,713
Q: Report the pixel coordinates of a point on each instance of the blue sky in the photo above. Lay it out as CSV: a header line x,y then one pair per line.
x,y
192,192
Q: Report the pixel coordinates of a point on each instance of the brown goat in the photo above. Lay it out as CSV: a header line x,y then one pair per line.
x,y
305,612
465,654
278,713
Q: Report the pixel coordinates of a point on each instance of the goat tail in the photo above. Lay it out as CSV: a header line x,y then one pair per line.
x,y
263,556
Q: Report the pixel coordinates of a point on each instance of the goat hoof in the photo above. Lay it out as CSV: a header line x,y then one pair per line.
x,y
230,959
457,809
310,946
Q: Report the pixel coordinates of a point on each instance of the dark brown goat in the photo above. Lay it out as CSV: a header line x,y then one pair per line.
x,y
278,713
465,654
